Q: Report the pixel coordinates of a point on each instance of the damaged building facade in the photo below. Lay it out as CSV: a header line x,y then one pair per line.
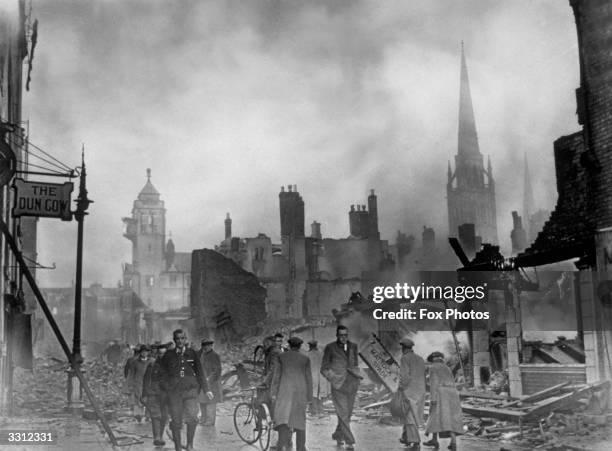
x,y
578,232
18,305
308,276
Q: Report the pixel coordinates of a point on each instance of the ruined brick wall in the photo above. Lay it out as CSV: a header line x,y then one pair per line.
x,y
537,377
218,284
594,26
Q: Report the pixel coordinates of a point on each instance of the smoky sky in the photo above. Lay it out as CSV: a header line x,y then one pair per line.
x,y
226,101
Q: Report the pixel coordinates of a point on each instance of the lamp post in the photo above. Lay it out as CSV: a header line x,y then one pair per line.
x,y
75,393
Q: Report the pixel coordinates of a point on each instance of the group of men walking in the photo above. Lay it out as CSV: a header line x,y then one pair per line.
x,y
289,377
178,382
292,380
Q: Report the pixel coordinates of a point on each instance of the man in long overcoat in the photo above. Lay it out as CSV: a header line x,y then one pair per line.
x,y
154,398
211,366
291,392
412,384
271,365
340,366
134,378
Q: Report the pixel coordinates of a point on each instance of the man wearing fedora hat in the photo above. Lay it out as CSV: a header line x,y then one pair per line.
x,y
291,392
412,385
211,369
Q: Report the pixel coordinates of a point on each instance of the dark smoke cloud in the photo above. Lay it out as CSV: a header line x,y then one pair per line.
x,y
228,100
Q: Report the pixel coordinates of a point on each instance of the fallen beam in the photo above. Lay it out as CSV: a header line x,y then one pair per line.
x,y
377,404
493,412
483,395
538,396
556,403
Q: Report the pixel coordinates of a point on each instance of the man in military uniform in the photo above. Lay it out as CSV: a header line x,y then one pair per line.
x,y
182,380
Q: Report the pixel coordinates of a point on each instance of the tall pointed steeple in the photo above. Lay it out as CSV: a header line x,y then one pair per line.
x,y
471,188
468,139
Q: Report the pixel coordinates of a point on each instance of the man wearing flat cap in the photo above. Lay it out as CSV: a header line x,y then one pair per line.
x,y
153,397
412,384
211,369
291,392
134,378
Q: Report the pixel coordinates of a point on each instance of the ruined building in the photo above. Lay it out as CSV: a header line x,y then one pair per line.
x,y
470,188
580,226
158,274
18,308
533,220
309,275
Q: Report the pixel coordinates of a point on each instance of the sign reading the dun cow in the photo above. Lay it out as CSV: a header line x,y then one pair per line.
x,y
50,200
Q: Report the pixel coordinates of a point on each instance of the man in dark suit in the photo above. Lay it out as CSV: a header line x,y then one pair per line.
x,y
182,379
291,392
340,366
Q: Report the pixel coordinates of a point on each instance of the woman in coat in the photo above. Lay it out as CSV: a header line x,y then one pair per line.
x,y
291,392
445,406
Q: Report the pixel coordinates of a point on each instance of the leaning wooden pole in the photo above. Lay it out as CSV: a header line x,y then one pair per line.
x,y
58,333
457,348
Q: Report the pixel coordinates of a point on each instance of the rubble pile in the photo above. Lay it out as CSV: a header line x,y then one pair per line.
x,y
498,382
43,390
553,430
540,420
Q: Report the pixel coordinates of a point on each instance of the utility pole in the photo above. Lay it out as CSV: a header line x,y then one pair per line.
x,y
75,393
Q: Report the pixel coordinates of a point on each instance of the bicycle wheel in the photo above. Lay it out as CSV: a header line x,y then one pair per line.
x,y
266,427
245,422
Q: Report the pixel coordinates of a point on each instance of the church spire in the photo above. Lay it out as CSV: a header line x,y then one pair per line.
x,y
468,139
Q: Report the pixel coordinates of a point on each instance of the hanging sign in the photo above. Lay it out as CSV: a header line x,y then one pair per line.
x,y
50,200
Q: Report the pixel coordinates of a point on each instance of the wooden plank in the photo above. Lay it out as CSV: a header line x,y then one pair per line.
x,y
556,403
542,394
483,395
377,404
492,412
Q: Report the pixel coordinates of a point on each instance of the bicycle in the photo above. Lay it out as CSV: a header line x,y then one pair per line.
x,y
252,420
